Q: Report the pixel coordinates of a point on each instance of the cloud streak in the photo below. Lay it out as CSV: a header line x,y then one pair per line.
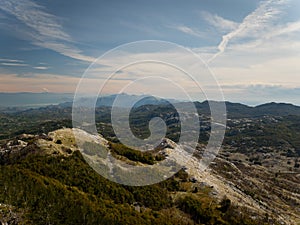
x,y
40,67
43,28
188,30
259,19
11,60
13,64
219,22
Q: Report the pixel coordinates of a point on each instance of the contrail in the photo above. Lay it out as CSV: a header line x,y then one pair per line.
x,y
265,12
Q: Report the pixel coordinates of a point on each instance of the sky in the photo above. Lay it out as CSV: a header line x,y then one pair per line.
x,y
252,47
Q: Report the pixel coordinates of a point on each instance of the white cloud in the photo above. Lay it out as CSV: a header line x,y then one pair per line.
x,y
66,50
11,60
258,93
189,30
41,67
264,70
254,24
214,20
12,64
43,28
219,22
285,29
281,71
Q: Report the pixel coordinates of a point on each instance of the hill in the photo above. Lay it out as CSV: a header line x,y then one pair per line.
x,y
253,180
47,181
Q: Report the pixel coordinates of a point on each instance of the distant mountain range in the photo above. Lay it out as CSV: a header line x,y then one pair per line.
x,y
33,100
22,101
237,110
126,101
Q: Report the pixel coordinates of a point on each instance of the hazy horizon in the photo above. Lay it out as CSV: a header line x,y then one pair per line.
x,y
40,99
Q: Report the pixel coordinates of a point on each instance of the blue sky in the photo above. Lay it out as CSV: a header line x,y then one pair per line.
x,y
252,46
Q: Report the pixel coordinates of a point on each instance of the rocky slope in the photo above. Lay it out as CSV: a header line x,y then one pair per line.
x,y
258,191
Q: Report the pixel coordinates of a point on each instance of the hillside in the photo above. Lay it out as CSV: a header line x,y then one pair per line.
x,y
52,177
46,180
253,180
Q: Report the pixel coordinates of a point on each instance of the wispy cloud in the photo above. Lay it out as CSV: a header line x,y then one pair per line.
x,y
11,60
40,67
287,28
277,41
13,64
219,22
189,30
258,20
43,28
